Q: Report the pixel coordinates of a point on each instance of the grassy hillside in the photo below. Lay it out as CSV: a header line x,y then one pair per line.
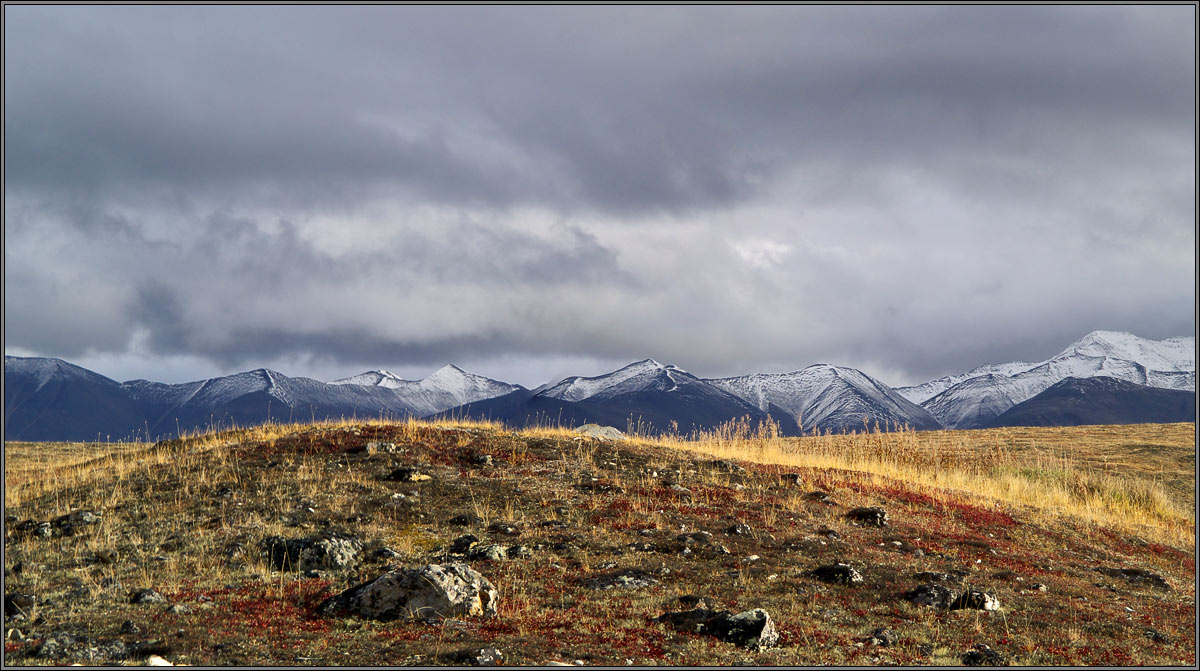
x,y
1044,519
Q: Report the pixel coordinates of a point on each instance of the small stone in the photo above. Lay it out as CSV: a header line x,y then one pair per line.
x,y
407,474
1156,636
489,552
477,657
790,478
463,544
1039,587
147,596
870,516
882,637
974,599
465,520
839,573
828,533
178,609
128,627
503,528
738,530
983,655
482,460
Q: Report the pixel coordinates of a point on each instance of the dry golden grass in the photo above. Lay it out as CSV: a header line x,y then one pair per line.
x,y
1137,478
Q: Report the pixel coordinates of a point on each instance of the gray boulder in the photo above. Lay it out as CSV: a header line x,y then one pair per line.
x,y
323,551
938,596
429,592
602,432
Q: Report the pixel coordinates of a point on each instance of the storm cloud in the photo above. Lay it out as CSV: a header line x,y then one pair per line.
x,y
536,191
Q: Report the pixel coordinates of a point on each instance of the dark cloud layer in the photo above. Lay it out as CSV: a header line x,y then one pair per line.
x,y
913,190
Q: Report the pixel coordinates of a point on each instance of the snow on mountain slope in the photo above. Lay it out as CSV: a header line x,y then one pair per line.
x,y
376,378
1173,354
922,392
644,374
41,371
976,401
447,387
829,397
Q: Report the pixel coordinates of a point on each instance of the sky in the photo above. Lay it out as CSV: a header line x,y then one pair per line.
x,y
536,192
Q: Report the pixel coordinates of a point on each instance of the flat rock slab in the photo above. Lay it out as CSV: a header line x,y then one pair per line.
x,y
602,432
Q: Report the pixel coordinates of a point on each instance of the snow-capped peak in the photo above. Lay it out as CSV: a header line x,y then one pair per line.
x,y
636,376
1172,354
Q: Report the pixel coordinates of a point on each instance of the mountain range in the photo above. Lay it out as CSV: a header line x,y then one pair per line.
x,y
50,399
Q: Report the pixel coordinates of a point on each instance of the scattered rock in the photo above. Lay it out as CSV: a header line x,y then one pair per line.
x,y
627,579
839,573
74,521
955,577
1156,636
324,551
519,552
695,538
1039,587
432,591
383,553
378,447
178,609
725,466
870,516
407,474
553,524
476,657
482,460
465,520
503,528
1137,576
696,601
791,479
146,595
752,629
818,496
128,627
490,552
738,530
681,491
882,637
983,655
828,533
974,599
601,432
931,594
463,544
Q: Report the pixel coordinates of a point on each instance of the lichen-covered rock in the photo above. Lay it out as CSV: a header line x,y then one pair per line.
x,y
147,596
752,629
323,551
931,594
429,592
601,432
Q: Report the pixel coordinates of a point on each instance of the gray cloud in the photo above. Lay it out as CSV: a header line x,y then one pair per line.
x,y
914,190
